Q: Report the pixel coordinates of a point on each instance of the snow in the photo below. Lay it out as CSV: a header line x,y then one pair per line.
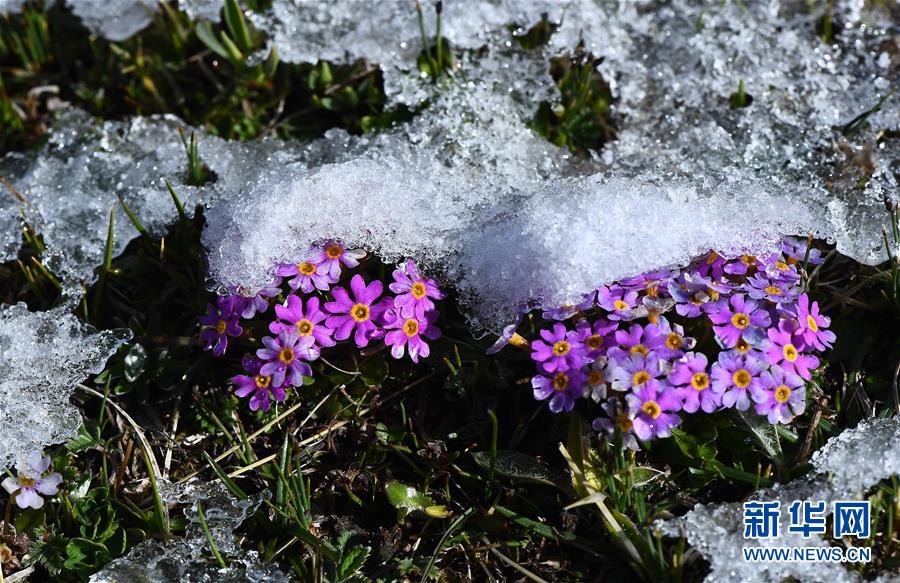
x,y
114,20
844,469
184,559
43,355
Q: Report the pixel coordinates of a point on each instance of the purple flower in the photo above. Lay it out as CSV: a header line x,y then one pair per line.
x,y
283,357
566,312
740,266
689,297
562,388
735,318
796,251
652,408
31,482
561,350
331,257
598,377
403,332
638,340
597,337
260,302
812,325
734,376
259,385
760,287
307,276
220,322
673,341
650,280
782,351
712,266
690,375
635,371
414,292
780,271
616,419
360,313
306,322
780,396
621,304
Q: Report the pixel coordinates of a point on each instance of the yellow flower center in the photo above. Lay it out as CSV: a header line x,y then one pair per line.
x,y
740,321
305,327
306,268
673,341
594,341
625,423
640,349
812,324
742,378
653,290
221,327
595,377
561,348
262,382
773,290
640,377
286,355
782,394
713,294
748,260
781,265
712,257
651,408
418,290
700,381
360,312
26,482
790,353
620,305
411,327
560,381
742,346
334,251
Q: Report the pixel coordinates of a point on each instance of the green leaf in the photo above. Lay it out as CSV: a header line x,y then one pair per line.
x,y
237,26
406,498
351,562
208,37
50,554
374,370
517,466
85,556
765,433
88,437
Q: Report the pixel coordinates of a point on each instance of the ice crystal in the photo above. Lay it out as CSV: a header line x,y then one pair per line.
x,y
845,467
114,20
42,356
184,559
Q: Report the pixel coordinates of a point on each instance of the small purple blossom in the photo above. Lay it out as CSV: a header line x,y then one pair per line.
x,y
711,266
638,339
780,396
283,357
690,375
415,292
334,254
735,318
566,312
782,351
740,266
673,341
31,482
734,376
259,303
812,325
616,419
258,385
307,322
220,322
653,410
563,388
360,315
411,333
621,304
597,379
560,350
760,287
634,371
796,251
307,276
597,337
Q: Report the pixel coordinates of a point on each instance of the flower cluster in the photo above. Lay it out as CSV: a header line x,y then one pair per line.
x,y
629,350
315,313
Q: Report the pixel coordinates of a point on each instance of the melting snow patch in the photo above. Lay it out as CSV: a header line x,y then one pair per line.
x,y
43,355
844,469
183,559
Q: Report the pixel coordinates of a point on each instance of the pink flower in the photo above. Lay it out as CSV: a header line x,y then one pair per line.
x,y
358,316
334,254
307,276
258,385
283,357
735,318
415,292
411,332
812,325
782,351
307,322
